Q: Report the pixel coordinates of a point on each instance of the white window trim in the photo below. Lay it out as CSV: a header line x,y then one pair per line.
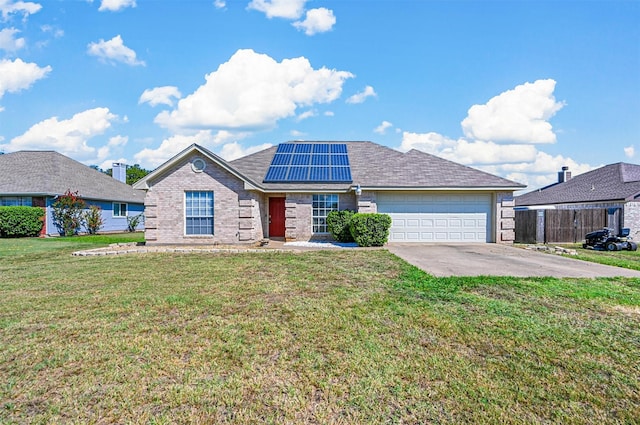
x,y
313,216
126,207
184,215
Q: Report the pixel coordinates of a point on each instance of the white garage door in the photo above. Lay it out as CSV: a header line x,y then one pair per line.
x,y
437,217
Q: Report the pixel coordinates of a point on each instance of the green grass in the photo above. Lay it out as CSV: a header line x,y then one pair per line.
x,y
625,259
320,337
30,246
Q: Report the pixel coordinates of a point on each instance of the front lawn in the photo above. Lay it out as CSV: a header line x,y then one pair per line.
x,y
346,336
625,259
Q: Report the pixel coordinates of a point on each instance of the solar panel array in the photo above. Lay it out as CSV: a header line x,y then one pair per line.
x,y
309,162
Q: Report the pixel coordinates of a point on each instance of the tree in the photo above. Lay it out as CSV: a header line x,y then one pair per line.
x,y
134,173
68,212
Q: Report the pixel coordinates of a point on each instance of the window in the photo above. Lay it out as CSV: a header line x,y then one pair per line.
x,y
15,201
199,213
119,209
323,205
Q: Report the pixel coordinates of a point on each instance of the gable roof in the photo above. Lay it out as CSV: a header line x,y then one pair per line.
x,y
373,166
49,173
614,182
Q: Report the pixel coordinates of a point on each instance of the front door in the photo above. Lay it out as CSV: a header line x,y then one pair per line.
x,y
276,217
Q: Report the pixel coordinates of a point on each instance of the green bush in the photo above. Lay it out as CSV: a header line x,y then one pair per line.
x,y
17,222
93,219
370,229
338,225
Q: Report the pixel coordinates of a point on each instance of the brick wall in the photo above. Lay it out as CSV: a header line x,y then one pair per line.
x,y
631,218
505,218
237,212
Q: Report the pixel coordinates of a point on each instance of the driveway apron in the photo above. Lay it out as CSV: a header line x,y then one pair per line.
x,y
498,260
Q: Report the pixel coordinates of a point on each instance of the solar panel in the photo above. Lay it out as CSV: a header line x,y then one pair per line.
x,y
309,162
285,148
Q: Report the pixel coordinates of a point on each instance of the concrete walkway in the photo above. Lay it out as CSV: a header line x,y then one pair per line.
x,y
498,260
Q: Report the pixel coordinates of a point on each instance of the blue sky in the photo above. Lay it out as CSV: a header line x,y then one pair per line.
x,y
516,88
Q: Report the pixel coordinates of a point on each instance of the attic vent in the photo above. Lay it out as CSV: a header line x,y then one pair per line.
x,y
198,165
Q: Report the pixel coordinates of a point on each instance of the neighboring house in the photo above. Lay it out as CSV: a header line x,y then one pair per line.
x,y
567,210
36,178
286,191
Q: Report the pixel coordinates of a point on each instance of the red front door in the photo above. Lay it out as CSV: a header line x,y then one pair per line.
x,y
276,217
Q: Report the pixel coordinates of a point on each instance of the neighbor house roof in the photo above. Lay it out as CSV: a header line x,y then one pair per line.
x,y
620,181
373,166
48,173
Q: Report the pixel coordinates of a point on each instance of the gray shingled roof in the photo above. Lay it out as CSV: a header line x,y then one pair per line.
x,y
620,181
377,166
51,173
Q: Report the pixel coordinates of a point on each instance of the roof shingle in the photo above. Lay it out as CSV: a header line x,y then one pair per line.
x,y
620,181
51,173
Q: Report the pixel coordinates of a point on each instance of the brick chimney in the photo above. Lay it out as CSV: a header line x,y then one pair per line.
x,y
119,171
564,175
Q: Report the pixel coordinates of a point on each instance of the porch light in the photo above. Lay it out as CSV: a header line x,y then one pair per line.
x,y
358,190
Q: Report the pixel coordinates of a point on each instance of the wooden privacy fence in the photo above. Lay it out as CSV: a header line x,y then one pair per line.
x,y
561,226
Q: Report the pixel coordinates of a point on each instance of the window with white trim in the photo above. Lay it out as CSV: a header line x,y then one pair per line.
x,y
198,213
119,209
323,204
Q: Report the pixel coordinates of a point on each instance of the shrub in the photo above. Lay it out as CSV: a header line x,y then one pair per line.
x,y
93,219
338,225
16,222
133,221
370,229
67,213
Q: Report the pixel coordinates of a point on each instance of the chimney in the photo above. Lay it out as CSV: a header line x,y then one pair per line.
x,y
119,171
564,175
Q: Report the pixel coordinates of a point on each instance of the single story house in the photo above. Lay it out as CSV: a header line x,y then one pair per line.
x,y
36,178
286,191
567,210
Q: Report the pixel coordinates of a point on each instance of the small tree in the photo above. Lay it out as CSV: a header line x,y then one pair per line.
x,y
133,221
93,219
68,212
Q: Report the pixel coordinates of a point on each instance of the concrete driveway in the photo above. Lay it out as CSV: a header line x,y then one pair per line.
x,y
498,260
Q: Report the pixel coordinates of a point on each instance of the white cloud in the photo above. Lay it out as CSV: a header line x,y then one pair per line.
x,y
543,170
288,9
630,151
160,96
382,128
113,51
362,96
18,75
430,142
220,4
8,40
57,32
151,158
8,7
329,114
234,150
115,5
68,137
253,91
516,116
296,133
306,114
316,21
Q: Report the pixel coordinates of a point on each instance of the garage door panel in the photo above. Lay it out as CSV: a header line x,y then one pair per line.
x,y
437,218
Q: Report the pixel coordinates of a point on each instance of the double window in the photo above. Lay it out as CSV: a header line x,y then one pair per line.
x,y
199,213
322,206
119,209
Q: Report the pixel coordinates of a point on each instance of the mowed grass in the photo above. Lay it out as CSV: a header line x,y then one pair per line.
x,y
626,259
348,336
